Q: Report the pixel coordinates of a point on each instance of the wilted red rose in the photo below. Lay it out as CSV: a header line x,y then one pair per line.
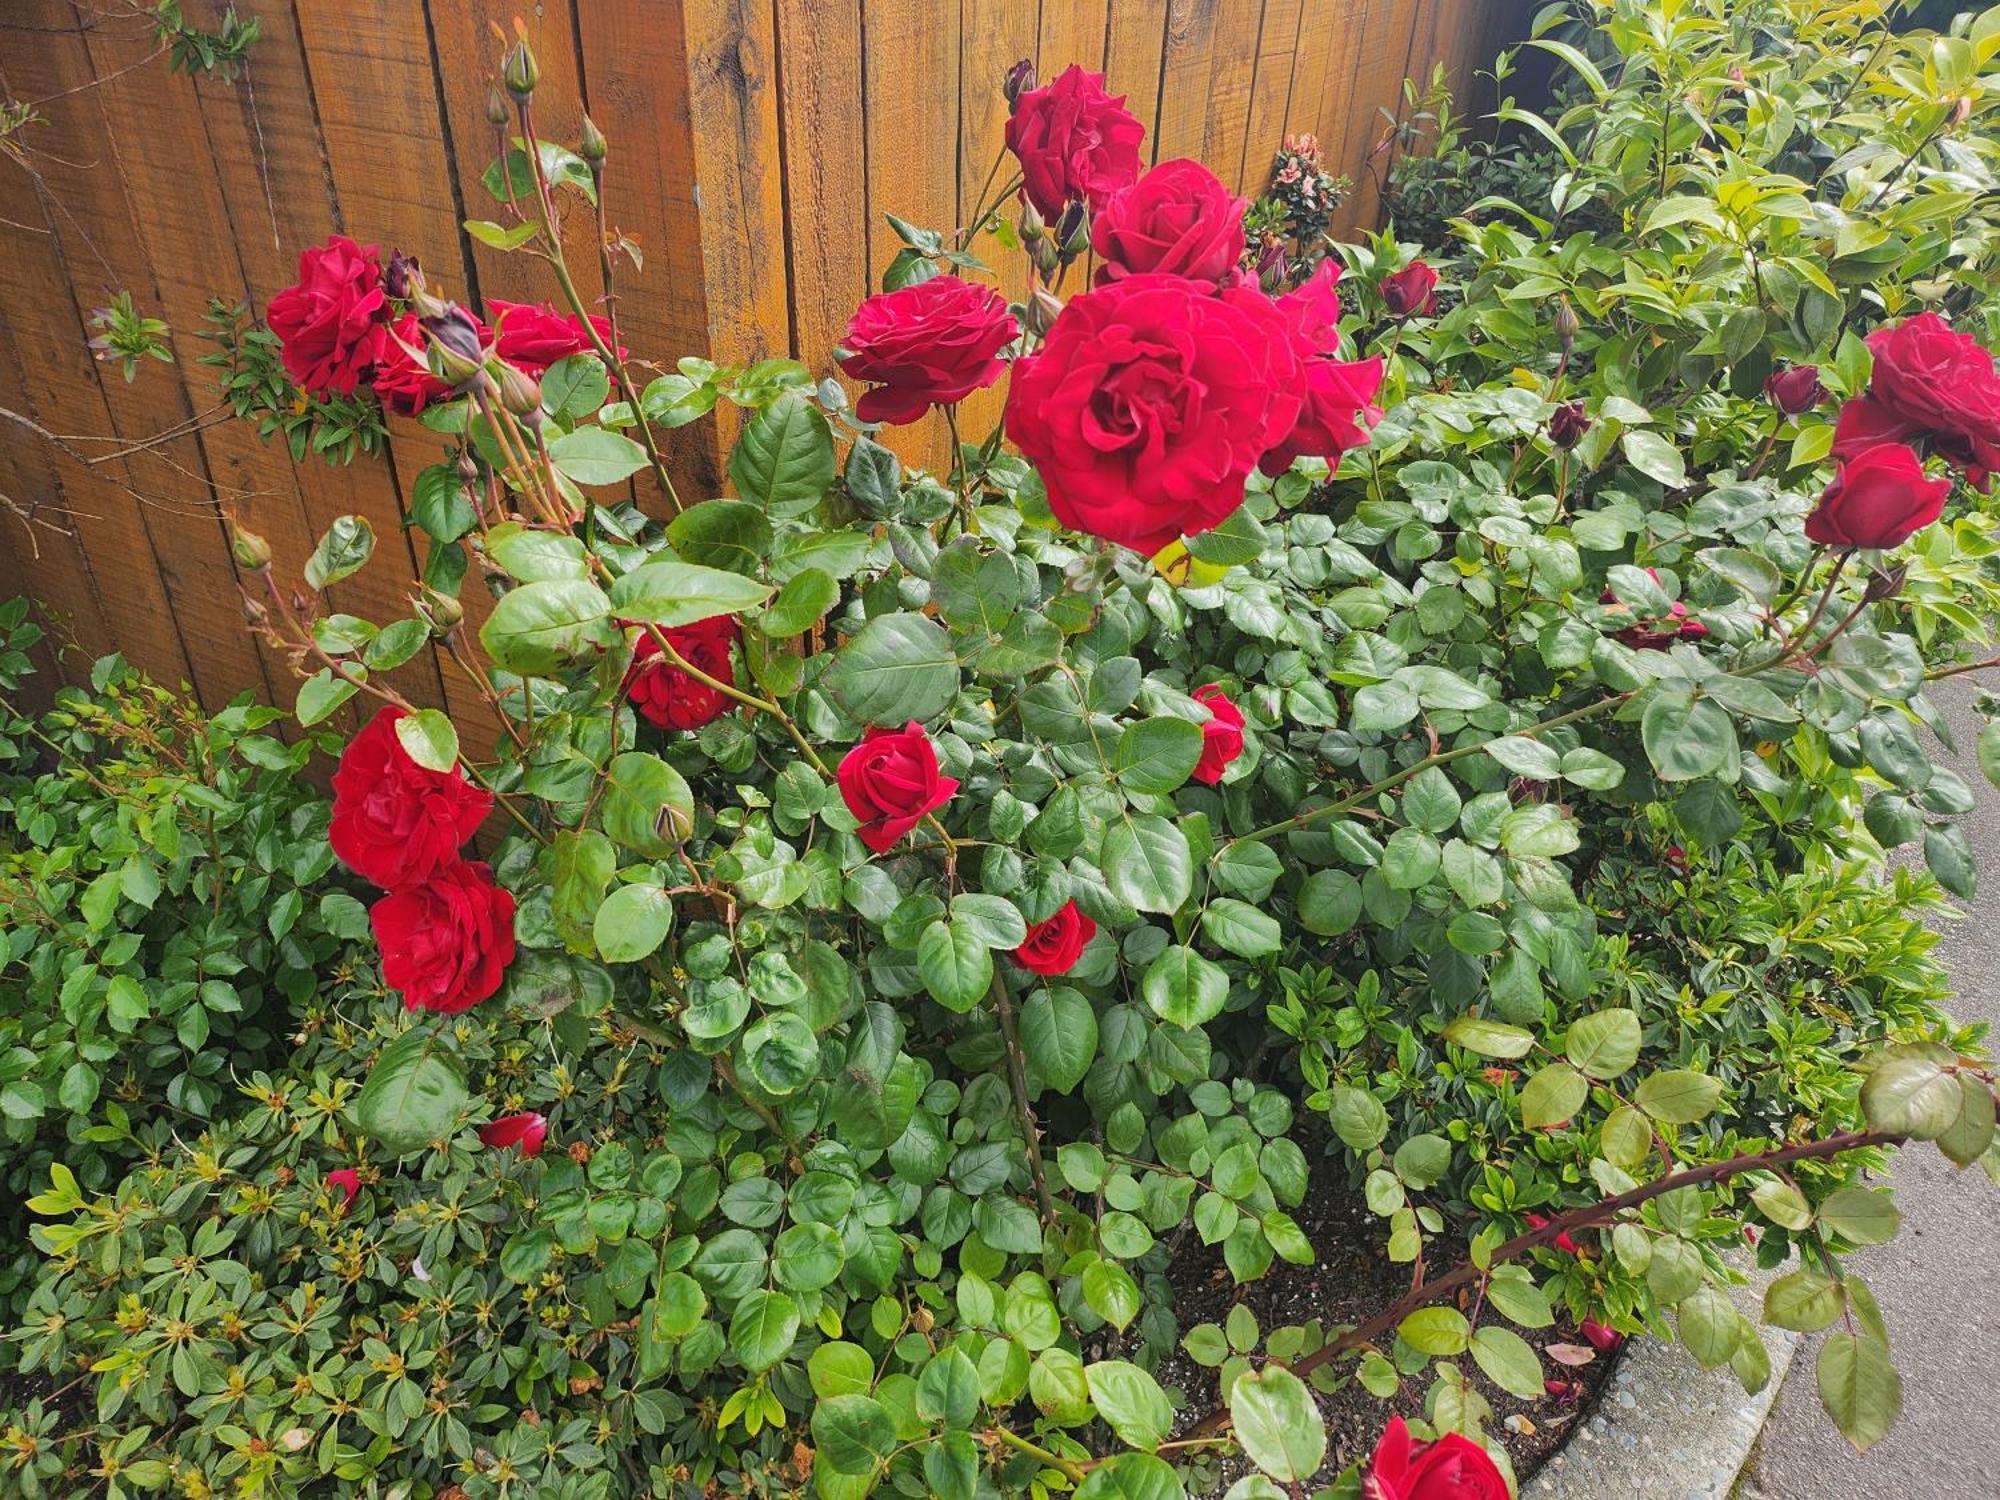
x,y
1795,389
1411,292
1221,736
932,343
665,695
446,942
1567,424
330,323
1452,1468
1878,498
394,821
1339,395
1054,946
347,1182
889,781
1150,403
1602,1338
1075,143
1930,385
524,1131
533,335
1179,218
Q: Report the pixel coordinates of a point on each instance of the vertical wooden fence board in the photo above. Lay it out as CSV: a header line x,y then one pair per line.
x,y
1319,64
1382,43
1135,39
1070,31
1205,81
994,35
826,189
1270,92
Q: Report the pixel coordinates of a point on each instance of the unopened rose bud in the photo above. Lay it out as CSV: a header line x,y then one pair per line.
x,y
1032,223
1047,258
1567,323
1795,390
520,392
519,71
403,277
253,612
468,467
496,109
590,143
455,353
251,551
1273,265
1567,425
1041,311
1020,79
1886,583
1073,234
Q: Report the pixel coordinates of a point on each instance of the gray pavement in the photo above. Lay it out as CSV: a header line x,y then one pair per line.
x,y
1938,1282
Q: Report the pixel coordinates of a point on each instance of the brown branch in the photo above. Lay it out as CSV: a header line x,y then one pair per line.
x,y
1017,1077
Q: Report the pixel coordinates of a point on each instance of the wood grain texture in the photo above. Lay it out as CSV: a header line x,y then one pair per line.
x,y
1205,82
826,188
1270,92
1382,51
1135,41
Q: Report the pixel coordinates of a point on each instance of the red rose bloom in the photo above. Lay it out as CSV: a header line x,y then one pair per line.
x,y
534,336
1054,946
1221,736
1567,425
1178,218
1411,292
526,1131
330,324
447,942
1929,385
665,695
1452,1468
396,822
403,380
889,781
932,343
1339,395
1075,142
1877,499
1150,403
348,1181
1794,390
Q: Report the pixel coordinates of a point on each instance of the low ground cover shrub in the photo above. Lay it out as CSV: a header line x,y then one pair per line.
x,y
1456,710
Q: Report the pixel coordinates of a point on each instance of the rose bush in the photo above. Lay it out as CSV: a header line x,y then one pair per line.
x,y
1301,746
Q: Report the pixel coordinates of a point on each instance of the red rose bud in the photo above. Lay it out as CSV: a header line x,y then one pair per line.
x,y
1020,78
330,322
890,781
1675,858
497,114
396,822
519,71
1221,736
438,610
1567,424
251,551
446,943
664,695
524,1131
1411,292
1178,219
1567,322
1075,143
403,278
404,381
1452,1468
1929,385
1603,1339
1795,390
520,392
932,343
1562,1242
591,144
348,1182
1879,498
1054,946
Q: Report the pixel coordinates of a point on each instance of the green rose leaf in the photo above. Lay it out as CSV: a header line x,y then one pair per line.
x,y
1278,1423
896,668
413,1095
538,626
784,459
667,592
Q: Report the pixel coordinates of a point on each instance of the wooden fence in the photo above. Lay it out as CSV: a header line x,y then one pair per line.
x,y
755,146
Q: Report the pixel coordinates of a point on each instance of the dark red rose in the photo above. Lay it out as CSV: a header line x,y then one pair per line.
x,y
534,336
1075,143
889,781
932,343
1221,736
1339,400
446,943
1567,424
1150,403
1562,1242
396,822
1411,292
1054,946
1930,385
347,1182
1452,1468
403,379
525,1131
1794,390
330,323
1878,498
1602,1338
1178,218
665,695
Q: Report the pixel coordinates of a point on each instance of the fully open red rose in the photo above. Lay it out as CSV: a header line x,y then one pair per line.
x,y
1076,144
1452,1468
932,343
330,324
534,336
1150,403
394,821
1221,736
1339,395
1054,946
347,1182
525,1131
1877,499
1411,292
1930,385
889,781
446,943
665,695
1178,218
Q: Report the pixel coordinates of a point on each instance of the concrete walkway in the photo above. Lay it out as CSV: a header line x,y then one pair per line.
x,y
1938,1282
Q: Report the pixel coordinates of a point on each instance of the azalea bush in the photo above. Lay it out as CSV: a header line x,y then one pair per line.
x,y
1433,712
